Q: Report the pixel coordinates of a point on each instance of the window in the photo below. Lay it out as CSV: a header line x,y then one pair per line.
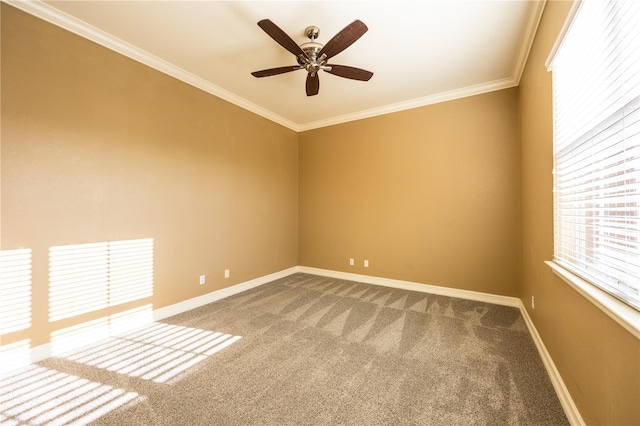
x,y
596,102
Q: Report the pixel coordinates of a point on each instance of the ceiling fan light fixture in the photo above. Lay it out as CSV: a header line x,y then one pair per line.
x,y
313,56
311,46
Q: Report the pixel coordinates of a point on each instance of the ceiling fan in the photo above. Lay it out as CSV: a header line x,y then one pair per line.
x,y
313,56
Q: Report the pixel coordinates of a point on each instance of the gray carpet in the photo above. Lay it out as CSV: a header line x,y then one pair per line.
x,y
302,350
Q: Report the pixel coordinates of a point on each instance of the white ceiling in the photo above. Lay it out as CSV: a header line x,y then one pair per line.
x,y
420,52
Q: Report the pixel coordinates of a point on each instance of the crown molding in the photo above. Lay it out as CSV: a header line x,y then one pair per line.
x,y
527,42
477,89
49,14
514,80
563,33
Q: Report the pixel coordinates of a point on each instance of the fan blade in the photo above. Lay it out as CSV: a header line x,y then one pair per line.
x,y
313,84
275,71
350,72
280,37
344,39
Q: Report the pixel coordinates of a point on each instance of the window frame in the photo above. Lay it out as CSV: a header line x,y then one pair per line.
x,y
622,312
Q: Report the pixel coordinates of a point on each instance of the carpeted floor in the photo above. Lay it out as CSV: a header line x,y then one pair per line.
x,y
302,350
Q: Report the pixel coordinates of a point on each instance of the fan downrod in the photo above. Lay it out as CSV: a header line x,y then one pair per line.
x,y
311,62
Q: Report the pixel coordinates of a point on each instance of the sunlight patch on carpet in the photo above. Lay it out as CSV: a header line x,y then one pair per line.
x,y
43,396
159,352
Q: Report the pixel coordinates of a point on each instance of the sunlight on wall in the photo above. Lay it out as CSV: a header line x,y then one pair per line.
x,y
70,338
130,270
88,277
40,395
15,290
159,352
85,278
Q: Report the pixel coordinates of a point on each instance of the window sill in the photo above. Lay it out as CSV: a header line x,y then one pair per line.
x,y
622,313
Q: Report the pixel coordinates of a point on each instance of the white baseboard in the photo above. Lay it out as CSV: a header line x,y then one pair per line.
x,y
413,286
570,409
41,352
196,302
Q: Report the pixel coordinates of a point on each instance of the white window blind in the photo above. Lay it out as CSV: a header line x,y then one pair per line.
x,y
596,100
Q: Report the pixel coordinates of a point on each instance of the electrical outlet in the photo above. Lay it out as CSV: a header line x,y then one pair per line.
x,y
533,302
352,262
201,279
366,263
226,273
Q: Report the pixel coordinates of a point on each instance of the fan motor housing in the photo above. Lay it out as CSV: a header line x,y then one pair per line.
x,y
311,48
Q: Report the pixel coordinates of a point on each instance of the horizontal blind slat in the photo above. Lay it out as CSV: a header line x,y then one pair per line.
x,y
596,101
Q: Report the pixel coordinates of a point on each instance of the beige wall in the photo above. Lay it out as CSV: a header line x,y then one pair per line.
x,y
97,147
599,361
429,195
